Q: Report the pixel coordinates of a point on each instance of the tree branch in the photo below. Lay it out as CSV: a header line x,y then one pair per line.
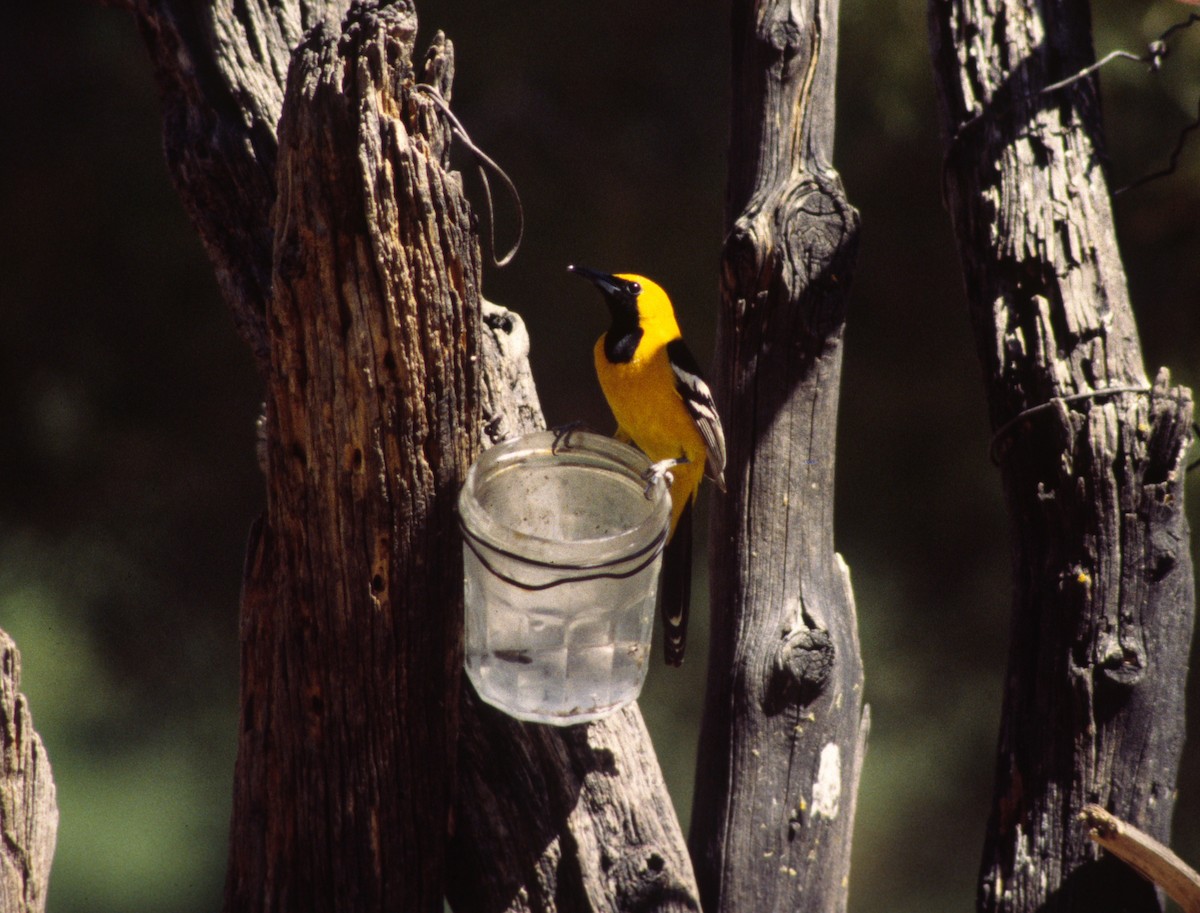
x,y
220,68
1146,856
350,692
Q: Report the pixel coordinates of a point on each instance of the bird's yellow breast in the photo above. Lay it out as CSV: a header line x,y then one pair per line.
x,y
646,404
648,409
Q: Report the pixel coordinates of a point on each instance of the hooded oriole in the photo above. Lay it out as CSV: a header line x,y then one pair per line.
x,y
663,406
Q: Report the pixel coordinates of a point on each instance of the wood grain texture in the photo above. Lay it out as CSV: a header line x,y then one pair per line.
x,y
784,726
352,621
28,808
1103,592
548,819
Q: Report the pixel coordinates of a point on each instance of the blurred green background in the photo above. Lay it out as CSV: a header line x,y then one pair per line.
x,y
127,404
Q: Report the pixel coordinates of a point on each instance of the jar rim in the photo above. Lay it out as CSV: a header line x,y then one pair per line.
x,y
581,448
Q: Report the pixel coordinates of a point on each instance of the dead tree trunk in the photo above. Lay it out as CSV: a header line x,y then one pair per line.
x,y
28,810
361,301
1091,457
350,675
784,726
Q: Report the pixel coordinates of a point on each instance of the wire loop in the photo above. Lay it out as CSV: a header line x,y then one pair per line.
x,y
484,162
1003,431
1156,53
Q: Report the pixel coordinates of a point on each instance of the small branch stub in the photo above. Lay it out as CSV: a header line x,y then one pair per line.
x,y
1145,855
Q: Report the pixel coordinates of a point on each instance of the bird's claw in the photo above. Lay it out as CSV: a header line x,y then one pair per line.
x,y
661,472
562,435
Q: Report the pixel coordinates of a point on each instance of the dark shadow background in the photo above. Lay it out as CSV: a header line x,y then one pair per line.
x,y
127,404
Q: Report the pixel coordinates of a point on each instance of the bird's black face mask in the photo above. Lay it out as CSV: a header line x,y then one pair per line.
x,y
621,296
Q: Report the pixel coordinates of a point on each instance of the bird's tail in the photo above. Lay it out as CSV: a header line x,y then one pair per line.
x,y
677,587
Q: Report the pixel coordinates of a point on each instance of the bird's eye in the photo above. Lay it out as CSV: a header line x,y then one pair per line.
x,y
635,288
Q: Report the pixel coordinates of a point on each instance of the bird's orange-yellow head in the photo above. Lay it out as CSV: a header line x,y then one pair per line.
x,y
634,303
656,316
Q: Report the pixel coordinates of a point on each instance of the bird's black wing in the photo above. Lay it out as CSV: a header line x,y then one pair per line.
x,y
698,399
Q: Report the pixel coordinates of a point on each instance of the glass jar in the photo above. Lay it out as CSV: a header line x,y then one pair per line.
x,y
562,547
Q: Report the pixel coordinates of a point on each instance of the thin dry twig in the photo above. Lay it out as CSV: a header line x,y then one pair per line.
x,y
1145,855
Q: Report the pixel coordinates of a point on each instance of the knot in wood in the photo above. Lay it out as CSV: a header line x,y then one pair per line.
x,y
641,878
784,34
1123,667
747,252
801,668
497,318
818,227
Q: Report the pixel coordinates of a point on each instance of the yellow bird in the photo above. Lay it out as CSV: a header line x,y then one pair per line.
x,y
663,406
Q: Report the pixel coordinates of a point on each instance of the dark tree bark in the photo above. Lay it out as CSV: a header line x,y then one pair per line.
x,y
361,301
350,680
565,821
28,809
1091,457
784,727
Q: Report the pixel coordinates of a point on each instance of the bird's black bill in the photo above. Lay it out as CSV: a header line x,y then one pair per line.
x,y
621,296
606,282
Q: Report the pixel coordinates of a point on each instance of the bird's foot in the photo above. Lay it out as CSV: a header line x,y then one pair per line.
x,y
562,435
661,472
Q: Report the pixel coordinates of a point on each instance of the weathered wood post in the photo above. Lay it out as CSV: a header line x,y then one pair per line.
x,y
1091,455
28,807
784,728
